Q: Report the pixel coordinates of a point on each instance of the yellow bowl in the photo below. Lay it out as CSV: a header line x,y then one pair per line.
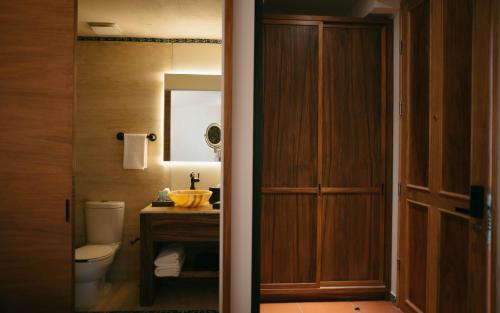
x,y
190,198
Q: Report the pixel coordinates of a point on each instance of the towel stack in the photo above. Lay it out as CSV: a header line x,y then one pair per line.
x,y
169,261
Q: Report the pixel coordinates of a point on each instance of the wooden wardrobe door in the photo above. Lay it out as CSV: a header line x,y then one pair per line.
x,y
353,156
415,147
36,112
446,148
289,155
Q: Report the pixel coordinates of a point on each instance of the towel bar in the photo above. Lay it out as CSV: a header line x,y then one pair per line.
x,y
151,137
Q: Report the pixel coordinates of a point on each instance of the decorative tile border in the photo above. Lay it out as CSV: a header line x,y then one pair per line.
x,y
157,40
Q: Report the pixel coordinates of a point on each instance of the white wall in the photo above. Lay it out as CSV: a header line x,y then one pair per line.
x,y
242,149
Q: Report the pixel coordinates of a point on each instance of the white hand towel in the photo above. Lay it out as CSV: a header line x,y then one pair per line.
x,y
170,254
170,270
135,152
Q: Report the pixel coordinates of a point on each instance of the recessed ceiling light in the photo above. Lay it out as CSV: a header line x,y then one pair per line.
x,y
105,29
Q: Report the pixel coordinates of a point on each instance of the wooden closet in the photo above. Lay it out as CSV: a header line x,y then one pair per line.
x,y
326,150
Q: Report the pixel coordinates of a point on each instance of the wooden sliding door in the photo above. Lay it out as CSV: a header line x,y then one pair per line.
x,y
36,113
289,155
353,156
446,155
324,141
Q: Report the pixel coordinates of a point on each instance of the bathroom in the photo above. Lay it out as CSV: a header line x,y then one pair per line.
x,y
145,68
335,196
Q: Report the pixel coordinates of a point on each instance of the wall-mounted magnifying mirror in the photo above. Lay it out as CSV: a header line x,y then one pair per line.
x,y
213,137
192,118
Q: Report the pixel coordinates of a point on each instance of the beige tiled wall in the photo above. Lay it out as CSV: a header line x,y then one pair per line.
x,y
119,87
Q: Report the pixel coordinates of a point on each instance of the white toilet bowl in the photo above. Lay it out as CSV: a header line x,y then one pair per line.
x,y
91,264
104,227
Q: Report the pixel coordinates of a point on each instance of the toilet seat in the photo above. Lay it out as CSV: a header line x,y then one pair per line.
x,y
93,253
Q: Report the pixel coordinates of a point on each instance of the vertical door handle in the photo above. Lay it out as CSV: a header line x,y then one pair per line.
x,y
67,210
477,201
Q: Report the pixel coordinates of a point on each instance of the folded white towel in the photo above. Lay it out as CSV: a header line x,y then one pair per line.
x,y
135,152
170,255
172,269
160,272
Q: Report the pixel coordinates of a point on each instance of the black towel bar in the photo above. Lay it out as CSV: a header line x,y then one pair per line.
x,y
121,136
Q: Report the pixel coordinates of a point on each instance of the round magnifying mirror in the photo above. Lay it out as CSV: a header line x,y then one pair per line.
x,y
213,136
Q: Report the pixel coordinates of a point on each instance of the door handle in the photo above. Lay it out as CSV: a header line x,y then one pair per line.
x,y
67,210
477,202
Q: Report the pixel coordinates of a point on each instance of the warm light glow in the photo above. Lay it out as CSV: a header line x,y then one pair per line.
x,y
196,72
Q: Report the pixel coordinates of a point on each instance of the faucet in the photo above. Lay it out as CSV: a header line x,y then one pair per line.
x,y
194,180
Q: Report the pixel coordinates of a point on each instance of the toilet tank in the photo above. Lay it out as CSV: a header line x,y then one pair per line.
x,y
104,221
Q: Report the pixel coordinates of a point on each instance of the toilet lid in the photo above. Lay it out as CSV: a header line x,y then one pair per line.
x,y
90,252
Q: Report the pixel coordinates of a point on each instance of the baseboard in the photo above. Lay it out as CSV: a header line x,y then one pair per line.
x,y
392,297
323,294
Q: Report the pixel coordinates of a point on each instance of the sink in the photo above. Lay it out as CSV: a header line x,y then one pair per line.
x,y
190,198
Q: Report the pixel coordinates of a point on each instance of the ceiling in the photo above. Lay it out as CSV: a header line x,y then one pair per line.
x,y
315,7
154,18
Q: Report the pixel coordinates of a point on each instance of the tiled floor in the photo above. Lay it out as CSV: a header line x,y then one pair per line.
x,y
330,307
183,294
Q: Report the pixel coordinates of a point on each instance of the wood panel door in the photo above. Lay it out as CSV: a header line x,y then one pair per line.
x,y
289,155
36,112
324,159
446,149
353,156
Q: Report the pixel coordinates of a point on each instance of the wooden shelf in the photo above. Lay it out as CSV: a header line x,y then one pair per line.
x,y
198,274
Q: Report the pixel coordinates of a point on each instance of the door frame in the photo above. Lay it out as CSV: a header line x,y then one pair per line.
x,y
493,304
387,51
227,76
227,86
495,245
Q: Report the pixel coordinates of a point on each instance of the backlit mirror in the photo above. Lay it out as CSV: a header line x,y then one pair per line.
x,y
192,118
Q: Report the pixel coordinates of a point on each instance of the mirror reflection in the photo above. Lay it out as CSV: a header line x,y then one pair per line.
x,y
192,118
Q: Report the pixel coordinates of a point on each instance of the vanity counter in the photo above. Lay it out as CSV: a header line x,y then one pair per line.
x,y
180,210
161,225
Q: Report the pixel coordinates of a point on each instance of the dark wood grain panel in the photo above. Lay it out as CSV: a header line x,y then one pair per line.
x,y
36,130
352,238
457,74
323,294
159,227
418,95
288,238
179,227
290,104
417,255
453,264
149,251
352,100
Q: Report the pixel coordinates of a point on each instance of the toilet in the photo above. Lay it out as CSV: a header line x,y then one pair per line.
x,y
104,226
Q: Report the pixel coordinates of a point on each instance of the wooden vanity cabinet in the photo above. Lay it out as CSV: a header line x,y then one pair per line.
x,y
326,150
161,225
